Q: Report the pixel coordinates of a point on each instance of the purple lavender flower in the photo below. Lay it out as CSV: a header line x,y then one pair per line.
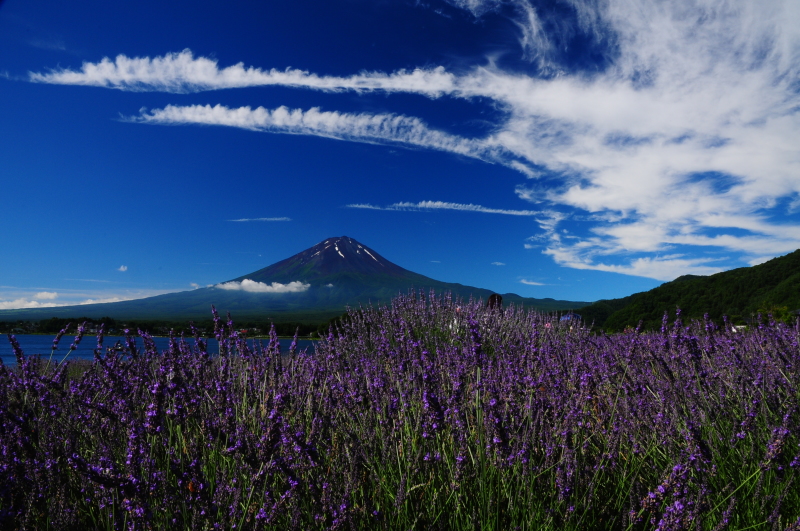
x,y
60,335
78,337
20,355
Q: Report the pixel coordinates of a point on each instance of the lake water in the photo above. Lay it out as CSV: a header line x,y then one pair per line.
x,y
43,344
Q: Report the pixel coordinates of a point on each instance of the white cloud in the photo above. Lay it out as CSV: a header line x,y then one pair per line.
x,y
443,205
328,285
262,219
182,73
46,295
583,256
24,303
259,287
194,285
365,206
686,139
122,268
103,300
12,298
760,260
498,263
531,283
362,127
533,39
45,44
477,7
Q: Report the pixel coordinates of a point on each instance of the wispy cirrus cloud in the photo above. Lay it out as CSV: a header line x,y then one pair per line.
x,y
182,73
253,286
261,219
443,205
48,44
360,127
680,147
531,283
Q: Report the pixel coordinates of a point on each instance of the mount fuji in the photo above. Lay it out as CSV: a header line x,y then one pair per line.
x,y
315,284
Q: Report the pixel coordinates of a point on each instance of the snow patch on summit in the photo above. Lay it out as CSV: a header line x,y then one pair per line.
x,y
370,254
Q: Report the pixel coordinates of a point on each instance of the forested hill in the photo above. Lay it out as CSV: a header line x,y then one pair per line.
x,y
771,287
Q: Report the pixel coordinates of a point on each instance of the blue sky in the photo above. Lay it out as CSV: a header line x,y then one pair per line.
x,y
570,149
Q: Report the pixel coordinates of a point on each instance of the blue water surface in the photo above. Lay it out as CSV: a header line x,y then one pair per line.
x,y
43,345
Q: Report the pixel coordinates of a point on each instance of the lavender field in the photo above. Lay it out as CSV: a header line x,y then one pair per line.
x,y
422,415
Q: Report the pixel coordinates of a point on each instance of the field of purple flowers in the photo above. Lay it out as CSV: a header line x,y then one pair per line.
x,y
422,415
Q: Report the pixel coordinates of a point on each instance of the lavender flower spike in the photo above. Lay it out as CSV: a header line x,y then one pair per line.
x,y
76,342
17,349
99,348
60,335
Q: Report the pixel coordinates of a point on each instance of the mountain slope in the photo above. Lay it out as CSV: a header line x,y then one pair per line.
x,y
329,258
317,283
773,286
